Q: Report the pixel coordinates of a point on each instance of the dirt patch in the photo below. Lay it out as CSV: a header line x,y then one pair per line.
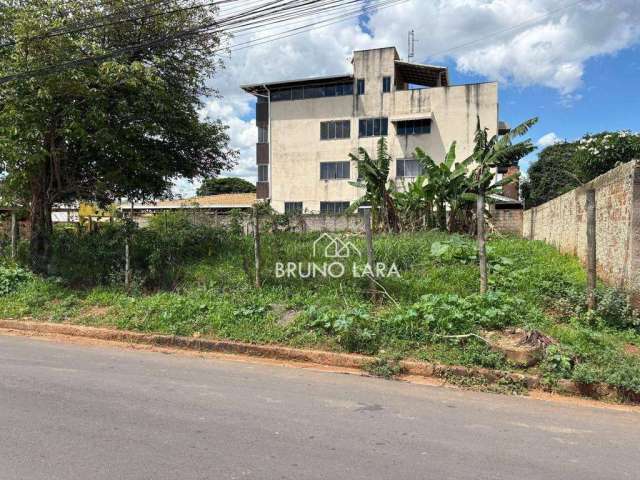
x,y
632,349
94,312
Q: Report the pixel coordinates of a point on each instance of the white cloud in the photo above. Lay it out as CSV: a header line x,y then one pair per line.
x,y
513,41
547,140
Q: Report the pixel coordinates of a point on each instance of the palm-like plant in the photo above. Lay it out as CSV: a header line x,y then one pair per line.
x,y
488,154
373,177
448,184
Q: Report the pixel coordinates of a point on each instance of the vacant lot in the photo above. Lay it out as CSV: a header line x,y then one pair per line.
x,y
199,281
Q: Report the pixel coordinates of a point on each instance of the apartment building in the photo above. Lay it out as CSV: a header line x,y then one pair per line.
x,y
307,128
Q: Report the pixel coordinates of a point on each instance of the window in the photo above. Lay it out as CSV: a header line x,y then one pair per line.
x,y
333,208
334,170
414,127
312,91
293,208
374,127
333,130
263,135
408,168
386,84
263,173
361,86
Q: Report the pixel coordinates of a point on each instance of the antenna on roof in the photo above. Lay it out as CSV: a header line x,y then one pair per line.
x,y
412,46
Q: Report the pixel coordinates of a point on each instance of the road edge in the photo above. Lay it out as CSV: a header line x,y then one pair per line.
x,y
277,352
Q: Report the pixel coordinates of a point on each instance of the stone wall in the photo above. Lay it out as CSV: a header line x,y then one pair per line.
x,y
562,222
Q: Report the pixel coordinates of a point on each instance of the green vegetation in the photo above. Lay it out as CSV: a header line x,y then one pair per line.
x,y
194,280
217,186
122,126
564,166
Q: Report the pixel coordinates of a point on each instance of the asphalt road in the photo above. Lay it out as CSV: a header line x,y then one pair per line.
x,y
94,412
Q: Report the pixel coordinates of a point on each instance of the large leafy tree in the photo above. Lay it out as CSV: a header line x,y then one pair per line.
x,y
564,166
121,120
216,186
553,174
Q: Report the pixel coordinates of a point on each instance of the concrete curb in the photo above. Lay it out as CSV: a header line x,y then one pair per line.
x,y
344,360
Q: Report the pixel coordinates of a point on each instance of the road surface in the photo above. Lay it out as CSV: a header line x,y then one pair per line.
x,y
71,411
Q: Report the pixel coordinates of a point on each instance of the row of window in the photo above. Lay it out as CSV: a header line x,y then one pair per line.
x,y
328,90
372,127
342,170
335,130
326,208
312,91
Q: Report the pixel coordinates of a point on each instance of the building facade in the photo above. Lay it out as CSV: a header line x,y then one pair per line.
x,y
307,128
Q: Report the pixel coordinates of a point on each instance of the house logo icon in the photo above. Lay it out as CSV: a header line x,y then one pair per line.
x,y
334,247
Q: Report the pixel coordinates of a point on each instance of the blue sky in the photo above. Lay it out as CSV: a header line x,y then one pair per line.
x,y
608,100
574,64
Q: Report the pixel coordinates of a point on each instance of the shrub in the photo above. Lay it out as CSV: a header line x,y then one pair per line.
x,y
354,329
438,315
11,278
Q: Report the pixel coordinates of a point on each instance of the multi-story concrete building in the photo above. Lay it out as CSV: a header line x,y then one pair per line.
x,y
307,128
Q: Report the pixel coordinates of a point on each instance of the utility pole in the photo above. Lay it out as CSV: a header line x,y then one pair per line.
x,y
411,46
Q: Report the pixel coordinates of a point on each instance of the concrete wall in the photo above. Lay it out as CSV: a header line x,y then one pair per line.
x,y
562,222
506,221
296,148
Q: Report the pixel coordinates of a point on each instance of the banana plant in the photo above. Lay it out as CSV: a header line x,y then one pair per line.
x,y
489,154
373,177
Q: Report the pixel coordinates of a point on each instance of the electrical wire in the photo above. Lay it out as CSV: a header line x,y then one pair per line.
x,y
239,20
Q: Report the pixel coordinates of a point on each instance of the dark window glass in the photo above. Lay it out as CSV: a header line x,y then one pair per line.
x,y
347,89
293,208
335,130
332,130
313,92
414,127
324,130
373,127
280,95
334,170
361,86
386,84
263,173
332,208
346,129
408,168
339,90
330,91
297,93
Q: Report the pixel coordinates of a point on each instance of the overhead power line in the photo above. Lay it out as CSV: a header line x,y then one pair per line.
x,y
264,15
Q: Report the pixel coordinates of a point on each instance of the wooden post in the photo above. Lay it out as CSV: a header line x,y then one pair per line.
x,y
482,248
256,245
15,233
591,248
127,264
366,211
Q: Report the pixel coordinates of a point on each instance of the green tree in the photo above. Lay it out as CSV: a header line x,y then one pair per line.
x,y
373,177
554,173
564,166
216,186
114,125
599,153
